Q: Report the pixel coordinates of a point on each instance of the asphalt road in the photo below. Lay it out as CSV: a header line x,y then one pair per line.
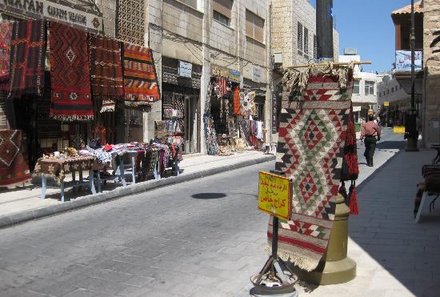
x,y
187,239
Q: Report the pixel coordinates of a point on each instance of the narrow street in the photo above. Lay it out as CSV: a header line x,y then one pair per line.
x,y
188,237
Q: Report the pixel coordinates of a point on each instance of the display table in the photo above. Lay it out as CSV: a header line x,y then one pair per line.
x,y
58,168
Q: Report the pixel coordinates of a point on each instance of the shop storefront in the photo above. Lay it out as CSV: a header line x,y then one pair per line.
x,y
64,89
181,115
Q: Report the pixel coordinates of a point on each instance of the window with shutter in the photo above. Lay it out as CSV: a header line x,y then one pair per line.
x,y
254,26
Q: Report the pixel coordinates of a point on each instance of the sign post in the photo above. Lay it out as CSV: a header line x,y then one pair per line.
x,y
274,198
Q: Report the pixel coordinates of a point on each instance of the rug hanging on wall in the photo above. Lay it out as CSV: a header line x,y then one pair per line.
x,y
14,169
140,79
70,74
5,54
28,52
106,71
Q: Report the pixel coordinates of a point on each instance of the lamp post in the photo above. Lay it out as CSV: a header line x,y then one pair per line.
x,y
411,132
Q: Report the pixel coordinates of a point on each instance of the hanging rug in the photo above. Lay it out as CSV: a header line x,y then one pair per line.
x,y
311,138
14,168
28,52
70,74
140,79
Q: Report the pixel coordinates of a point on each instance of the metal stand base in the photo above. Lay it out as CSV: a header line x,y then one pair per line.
x,y
275,278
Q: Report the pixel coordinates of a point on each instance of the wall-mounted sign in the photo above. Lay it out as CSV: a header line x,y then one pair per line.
x,y
274,195
63,11
403,60
386,103
185,69
257,74
231,74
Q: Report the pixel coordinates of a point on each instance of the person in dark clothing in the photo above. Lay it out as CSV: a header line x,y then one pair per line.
x,y
370,133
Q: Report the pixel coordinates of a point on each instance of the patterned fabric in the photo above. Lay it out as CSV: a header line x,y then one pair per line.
x,y
106,71
236,101
5,55
13,166
140,79
247,101
58,168
28,49
70,74
310,133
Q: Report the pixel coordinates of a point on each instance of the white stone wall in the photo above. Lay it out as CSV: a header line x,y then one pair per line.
x,y
283,39
108,9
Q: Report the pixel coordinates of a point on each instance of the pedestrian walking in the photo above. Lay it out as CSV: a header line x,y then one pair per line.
x,y
370,133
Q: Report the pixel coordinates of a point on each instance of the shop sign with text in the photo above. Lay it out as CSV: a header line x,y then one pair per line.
x,y
60,10
231,74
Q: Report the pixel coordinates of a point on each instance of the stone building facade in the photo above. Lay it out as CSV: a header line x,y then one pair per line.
x,y
294,32
209,37
431,61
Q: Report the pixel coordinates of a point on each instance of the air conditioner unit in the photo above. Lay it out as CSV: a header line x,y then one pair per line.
x,y
278,58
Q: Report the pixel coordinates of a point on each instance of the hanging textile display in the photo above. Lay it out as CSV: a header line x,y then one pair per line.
x,y
28,48
212,146
236,101
140,79
5,55
312,135
247,101
106,71
70,74
14,168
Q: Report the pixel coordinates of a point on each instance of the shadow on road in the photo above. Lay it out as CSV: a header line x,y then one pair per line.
x,y
391,145
209,195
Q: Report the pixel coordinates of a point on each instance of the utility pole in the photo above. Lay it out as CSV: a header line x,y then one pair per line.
x,y
324,29
411,132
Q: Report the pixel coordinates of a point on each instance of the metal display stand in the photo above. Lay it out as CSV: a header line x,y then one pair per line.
x,y
275,277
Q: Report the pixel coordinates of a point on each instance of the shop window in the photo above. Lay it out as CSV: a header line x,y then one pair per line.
x,y
315,47
369,88
130,21
356,87
306,40
254,26
299,38
192,3
222,11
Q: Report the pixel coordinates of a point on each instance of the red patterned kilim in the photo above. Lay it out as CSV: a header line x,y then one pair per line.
x,y
70,74
236,101
5,55
310,149
140,79
13,166
28,49
106,70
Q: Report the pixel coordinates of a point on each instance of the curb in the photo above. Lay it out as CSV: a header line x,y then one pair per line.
x,y
21,217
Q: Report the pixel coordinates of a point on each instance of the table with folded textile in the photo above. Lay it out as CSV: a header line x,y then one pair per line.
x,y
58,167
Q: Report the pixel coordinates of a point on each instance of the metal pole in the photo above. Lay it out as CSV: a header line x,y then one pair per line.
x,y
411,120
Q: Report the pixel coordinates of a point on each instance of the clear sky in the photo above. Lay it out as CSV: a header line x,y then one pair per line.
x,y
367,26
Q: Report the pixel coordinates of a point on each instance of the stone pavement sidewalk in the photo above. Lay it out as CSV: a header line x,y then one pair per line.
x,y
23,203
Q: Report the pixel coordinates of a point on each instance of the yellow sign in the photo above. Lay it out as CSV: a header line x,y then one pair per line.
x,y
386,103
274,195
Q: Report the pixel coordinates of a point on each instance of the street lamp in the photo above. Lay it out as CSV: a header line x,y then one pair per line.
x,y
411,132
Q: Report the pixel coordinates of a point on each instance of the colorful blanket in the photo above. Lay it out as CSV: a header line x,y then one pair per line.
x,y
14,168
140,79
314,118
106,71
70,74
28,51
5,54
